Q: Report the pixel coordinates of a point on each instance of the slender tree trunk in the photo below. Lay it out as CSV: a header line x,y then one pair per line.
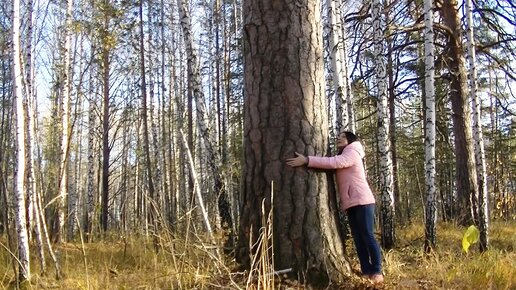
x,y
495,132
392,129
33,184
146,146
32,180
430,171
198,193
480,158
66,129
338,69
20,188
285,111
105,54
465,163
5,133
212,156
386,177
90,188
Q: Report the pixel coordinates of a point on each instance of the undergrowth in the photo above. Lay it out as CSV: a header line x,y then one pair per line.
x,y
139,262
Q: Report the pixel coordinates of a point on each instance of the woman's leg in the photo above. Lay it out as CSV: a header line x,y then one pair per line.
x,y
355,224
373,249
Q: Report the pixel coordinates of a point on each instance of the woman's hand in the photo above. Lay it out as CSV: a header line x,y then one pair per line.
x,y
299,160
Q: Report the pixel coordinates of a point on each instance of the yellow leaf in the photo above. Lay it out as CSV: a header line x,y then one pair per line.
x,y
471,236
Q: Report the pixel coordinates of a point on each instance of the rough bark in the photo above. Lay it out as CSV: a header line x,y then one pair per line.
x,y
284,112
465,162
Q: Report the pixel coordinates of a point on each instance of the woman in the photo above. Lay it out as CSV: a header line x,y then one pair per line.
x,y
356,199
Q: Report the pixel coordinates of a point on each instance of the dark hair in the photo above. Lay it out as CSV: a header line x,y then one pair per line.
x,y
350,136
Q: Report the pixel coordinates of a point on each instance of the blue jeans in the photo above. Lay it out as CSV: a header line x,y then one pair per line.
x,y
361,222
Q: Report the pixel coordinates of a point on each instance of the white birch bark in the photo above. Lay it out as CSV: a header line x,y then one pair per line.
x,y
145,121
77,195
430,171
197,189
90,187
386,178
32,117
212,156
65,140
46,236
480,159
338,65
201,114
20,187
349,94
34,190
153,130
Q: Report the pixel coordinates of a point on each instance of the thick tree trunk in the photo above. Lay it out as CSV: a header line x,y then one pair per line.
x,y
465,163
285,111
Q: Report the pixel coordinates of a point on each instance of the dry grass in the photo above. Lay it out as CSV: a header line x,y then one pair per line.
x,y
448,267
132,263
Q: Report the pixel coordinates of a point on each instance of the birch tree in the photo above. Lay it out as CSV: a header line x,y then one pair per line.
x,y
66,128
90,179
33,191
386,179
480,159
430,172
106,44
212,157
20,187
338,65
146,146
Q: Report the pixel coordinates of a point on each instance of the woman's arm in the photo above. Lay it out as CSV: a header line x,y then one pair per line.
x,y
346,159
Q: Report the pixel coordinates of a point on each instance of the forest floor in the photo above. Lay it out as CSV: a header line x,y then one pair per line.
x,y
132,263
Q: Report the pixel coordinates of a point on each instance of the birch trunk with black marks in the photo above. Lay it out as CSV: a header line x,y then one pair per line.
x,y
20,181
480,156
338,66
430,169
212,156
386,178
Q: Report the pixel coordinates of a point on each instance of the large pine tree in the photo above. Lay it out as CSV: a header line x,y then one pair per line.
x,y
285,111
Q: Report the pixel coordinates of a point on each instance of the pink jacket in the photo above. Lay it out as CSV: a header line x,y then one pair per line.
x,y
351,180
